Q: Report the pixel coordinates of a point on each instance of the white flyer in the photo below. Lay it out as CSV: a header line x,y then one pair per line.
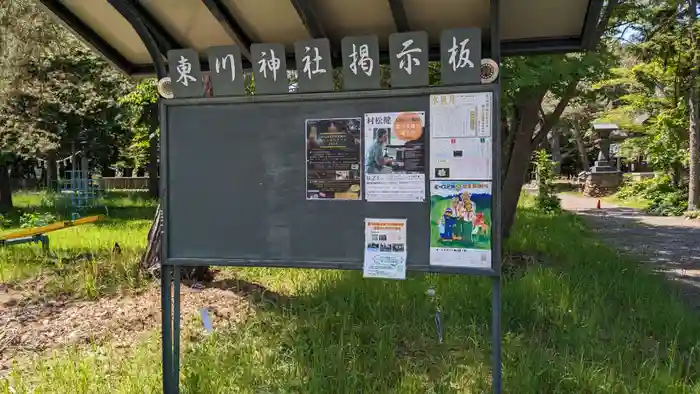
x,y
385,248
394,145
460,136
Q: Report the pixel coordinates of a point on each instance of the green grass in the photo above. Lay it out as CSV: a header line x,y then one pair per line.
x,y
80,261
586,320
634,202
637,203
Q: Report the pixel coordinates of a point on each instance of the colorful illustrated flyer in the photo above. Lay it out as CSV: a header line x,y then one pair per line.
x,y
385,248
460,136
395,157
460,223
333,159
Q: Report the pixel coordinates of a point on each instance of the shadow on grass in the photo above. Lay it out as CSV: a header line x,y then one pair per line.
x,y
114,204
669,244
586,321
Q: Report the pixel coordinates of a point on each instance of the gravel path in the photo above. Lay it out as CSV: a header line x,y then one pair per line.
x,y
671,244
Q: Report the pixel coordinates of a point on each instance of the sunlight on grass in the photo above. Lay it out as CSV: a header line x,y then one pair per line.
x,y
584,320
80,261
92,370
638,203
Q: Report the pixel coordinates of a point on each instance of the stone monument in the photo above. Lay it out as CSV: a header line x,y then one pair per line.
x,y
604,178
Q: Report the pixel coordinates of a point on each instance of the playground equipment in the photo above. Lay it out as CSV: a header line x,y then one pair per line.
x,y
78,185
38,234
83,191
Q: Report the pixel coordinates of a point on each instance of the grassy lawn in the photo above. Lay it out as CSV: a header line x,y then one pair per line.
x,y
80,261
583,320
638,203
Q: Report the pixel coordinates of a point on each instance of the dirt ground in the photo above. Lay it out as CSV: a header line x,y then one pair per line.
x,y
31,327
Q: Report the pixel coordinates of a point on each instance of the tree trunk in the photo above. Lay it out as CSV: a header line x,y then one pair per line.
x,y
153,167
694,111
51,172
555,144
5,189
516,172
581,147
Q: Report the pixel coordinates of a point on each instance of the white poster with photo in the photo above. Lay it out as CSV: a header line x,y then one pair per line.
x,y
460,136
394,146
385,248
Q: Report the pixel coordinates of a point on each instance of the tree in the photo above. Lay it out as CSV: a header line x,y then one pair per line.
x,y
527,81
694,110
65,100
53,91
661,84
142,106
651,89
25,34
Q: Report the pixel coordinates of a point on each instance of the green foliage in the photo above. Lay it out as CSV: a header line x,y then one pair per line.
x,y
664,197
140,108
36,219
5,222
692,214
64,99
547,199
56,202
652,88
649,91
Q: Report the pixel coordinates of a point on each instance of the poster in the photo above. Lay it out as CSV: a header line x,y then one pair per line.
x,y
333,157
460,223
395,156
460,136
385,248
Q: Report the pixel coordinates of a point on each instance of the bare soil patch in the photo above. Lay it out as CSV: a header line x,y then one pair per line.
x,y
30,326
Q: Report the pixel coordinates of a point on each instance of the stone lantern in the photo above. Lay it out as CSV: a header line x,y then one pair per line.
x,y
604,178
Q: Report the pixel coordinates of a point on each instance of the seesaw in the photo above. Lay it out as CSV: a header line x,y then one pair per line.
x,y
38,234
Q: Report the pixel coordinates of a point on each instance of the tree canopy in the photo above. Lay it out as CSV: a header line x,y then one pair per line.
x,y
54,92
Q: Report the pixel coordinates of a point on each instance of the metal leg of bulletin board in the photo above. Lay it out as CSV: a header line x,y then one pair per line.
x,y
496,334
166,325
496,302
170,303
176,330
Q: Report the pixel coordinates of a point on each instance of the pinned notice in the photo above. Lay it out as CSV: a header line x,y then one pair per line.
x,y
460,136
385,248
395,157
460,224
333,158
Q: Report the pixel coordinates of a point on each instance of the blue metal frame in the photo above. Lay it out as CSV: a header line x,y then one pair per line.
x,y
39,238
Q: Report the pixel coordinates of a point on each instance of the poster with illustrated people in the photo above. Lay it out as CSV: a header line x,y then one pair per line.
x,y
333,159
394,160
460,223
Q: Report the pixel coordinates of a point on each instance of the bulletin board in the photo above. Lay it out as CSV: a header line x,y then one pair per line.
x,y
236,190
